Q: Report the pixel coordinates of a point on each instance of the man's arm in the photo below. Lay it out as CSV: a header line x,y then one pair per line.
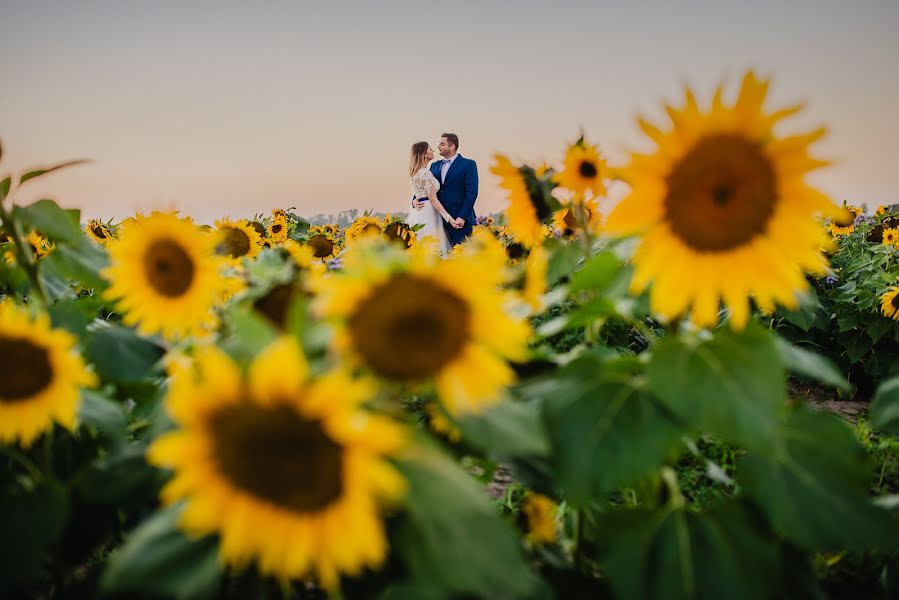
x,y
471,188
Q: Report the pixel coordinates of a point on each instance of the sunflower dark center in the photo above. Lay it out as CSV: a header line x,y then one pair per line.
x,y
587,169
570,221
276,303
321,245
722,194
235,242
258,227
398,232
276,228
410,328
275,454
895,302
25,369
169,268
98,231
514,251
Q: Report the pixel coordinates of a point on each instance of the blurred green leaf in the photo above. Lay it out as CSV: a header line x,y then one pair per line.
x,y
248,333
452,535
731,385
805,315
605,431
45,170
4,188
885,407
507,429
121,479
119,354
73,314
30,523
54,222
158,559
104,416
811,364
597,273
81,261
814,487
724,553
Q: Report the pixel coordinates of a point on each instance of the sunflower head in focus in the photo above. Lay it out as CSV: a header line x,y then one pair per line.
x,y
413,318
843,223
277,229
723,209
97,231
889,303
164,276
567,222
540,515
890,237
289,472
528,203
236,240
41,372
400,233
323,246
585,170
363,227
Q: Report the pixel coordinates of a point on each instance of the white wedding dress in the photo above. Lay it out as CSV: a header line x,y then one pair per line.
x,y
423,182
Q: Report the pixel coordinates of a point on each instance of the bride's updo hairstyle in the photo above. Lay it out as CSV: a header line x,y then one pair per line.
x,y
418,159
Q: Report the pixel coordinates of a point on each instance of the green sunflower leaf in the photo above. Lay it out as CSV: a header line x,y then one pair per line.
x,y
158,559
452,536
507,429
724,553
814,487
885,407
811,364
605,431
119,354
731,385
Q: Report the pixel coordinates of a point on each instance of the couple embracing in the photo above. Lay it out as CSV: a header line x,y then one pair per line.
x,y
444,194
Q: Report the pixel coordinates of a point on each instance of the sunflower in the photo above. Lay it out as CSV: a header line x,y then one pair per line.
x,y
364,226
723,209
527,208
39,245
276,303
165,276
301,255
584,169
279,213
565,220
540,512
890,303
98,232
409,317
890,237
400,233
323,245
236,240
844,222
277,229
881,210
288,471
535,269
41,372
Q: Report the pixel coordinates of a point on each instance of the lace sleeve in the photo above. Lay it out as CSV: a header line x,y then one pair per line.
x,y
423,183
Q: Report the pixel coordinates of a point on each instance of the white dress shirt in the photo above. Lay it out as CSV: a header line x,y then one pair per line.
x,y
445,167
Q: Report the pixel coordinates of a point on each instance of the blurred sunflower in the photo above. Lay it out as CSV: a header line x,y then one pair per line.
x,y
527,207
301,255
277,229
882,209
565,220
323,246
411,317
400,233
289,472
236,240
723,209
276,303
540,513
535,269
890,303
843,223
37,243
41,372
584,169
364,226
279,213
164,276
98,232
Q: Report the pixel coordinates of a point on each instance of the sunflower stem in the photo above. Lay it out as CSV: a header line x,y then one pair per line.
x,y
24,256
579,539
22,460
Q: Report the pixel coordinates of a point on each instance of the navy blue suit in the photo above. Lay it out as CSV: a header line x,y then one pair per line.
x,y
457,194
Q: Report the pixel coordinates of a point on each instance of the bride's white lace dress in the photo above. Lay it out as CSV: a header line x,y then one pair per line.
x,y
423,182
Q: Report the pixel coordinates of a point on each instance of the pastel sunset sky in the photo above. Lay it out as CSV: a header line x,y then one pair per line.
x,y
233,108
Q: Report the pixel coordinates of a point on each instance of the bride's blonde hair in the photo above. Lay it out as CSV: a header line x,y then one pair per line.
x,y
418,158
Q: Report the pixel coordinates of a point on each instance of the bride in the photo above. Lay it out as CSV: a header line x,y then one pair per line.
x,y
424,189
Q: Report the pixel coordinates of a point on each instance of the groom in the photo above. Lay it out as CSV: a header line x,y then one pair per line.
x,y
458,177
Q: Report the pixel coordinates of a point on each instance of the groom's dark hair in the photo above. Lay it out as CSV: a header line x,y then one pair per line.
x,y
453,139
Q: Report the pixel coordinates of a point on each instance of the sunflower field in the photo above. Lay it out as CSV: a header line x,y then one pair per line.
x,y
569,405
